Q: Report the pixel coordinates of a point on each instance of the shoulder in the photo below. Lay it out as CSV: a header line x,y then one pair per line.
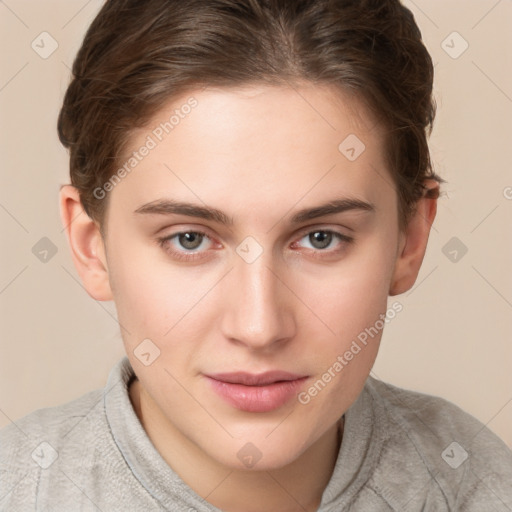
x,y
467,464
422,411
35,442
53,417
68,458
52,422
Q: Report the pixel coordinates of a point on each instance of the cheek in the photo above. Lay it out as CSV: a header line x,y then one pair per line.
x,y
149,295
351,295
153,296
351,304
153,307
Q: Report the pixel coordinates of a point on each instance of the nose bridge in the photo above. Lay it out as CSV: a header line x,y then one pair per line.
x,y
256,314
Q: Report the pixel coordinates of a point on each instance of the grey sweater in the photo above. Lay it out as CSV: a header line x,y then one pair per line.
x,y
401,451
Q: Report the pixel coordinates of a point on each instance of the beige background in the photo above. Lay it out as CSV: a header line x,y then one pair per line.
x,y
452,338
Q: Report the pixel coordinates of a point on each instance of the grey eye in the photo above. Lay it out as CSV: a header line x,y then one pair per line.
x,y
320,239
190,240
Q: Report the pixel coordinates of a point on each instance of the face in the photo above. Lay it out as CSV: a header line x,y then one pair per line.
x,y
224,258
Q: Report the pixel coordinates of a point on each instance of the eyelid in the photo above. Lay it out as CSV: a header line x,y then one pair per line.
x,y
322,227
194,254
191,228
343,241
198,231
182,255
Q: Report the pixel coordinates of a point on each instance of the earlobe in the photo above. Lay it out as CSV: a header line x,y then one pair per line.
x,y
413,242
86,244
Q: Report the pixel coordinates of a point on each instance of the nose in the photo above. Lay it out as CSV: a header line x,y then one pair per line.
x,y
258,311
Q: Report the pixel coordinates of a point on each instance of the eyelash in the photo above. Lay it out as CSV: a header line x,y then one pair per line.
x,y
192,256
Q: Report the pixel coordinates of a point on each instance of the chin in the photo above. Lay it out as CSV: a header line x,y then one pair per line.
x,y
259,454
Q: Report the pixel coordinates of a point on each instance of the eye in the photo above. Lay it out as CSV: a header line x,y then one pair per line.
x,y
180,245
193,245
190,240
321,239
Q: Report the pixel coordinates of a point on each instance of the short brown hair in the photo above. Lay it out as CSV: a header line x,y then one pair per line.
x,y
136,56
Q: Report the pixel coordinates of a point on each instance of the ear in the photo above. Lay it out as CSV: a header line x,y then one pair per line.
x,y
86,243
413,240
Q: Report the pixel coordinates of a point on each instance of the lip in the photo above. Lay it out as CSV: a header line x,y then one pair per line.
x,y
262,392
255,379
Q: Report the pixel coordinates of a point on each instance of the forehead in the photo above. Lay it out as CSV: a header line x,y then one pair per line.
x,y
254,146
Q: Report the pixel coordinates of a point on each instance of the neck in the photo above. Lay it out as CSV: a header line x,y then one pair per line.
x,y
296,487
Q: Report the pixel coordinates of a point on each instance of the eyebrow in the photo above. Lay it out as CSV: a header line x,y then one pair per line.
x,y
170,206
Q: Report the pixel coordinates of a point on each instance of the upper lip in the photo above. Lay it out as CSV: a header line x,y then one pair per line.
x,y
252,379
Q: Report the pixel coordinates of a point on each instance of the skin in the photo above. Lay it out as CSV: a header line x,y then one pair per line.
x,y
260,154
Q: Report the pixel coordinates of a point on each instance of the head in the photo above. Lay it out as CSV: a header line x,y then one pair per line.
x,y
251,181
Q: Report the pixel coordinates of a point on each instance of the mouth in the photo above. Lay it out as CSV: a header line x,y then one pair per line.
x,y
263,392
252,379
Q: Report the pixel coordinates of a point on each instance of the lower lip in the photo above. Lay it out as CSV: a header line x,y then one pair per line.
x,y
257,398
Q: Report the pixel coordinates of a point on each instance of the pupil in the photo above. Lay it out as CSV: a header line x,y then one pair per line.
x,y
322,237
187,240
